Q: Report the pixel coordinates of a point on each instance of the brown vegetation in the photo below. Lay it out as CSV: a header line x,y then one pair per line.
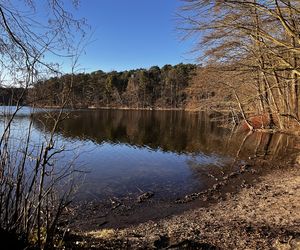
x,y
30,205
252,47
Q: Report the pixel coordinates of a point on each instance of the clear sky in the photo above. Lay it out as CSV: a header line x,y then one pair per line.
x,y
130,34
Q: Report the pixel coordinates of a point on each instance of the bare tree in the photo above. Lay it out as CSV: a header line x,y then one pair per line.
x,y
30,205
257,39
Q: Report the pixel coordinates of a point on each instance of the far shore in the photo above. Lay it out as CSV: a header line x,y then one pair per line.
x,y
124,108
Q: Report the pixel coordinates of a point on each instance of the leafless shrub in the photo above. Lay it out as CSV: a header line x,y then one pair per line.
x,y
257,42
30,203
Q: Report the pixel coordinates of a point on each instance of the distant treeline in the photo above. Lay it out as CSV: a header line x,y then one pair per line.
x,y
10,95
156,87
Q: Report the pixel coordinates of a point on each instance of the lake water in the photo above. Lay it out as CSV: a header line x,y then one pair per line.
x,y
171,153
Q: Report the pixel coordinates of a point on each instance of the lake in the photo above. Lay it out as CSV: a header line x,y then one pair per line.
x,y
123,153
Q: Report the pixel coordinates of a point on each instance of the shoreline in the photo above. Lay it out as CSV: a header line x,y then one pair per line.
x,y
265,215
121,212
123,108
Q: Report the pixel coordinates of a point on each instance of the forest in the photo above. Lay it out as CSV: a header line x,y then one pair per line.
x,y
155,87
249,69
11,96
246,69
251,52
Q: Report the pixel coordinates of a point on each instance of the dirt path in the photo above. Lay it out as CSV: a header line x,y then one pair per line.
x,y
263,216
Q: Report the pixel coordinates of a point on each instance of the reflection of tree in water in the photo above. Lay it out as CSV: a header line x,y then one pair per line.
x,y
210,151
259,147
169,131
175,131
268,146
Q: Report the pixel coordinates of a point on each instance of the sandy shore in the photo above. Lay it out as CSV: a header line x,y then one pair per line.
x,y
265,215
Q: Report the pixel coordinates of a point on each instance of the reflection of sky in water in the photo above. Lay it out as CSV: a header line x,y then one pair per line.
x,y
119,168
23,111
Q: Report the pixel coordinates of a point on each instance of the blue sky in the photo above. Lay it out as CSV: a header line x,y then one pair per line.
x,y
128,34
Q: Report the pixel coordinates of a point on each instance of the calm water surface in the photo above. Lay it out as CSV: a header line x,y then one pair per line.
x,y
171,153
